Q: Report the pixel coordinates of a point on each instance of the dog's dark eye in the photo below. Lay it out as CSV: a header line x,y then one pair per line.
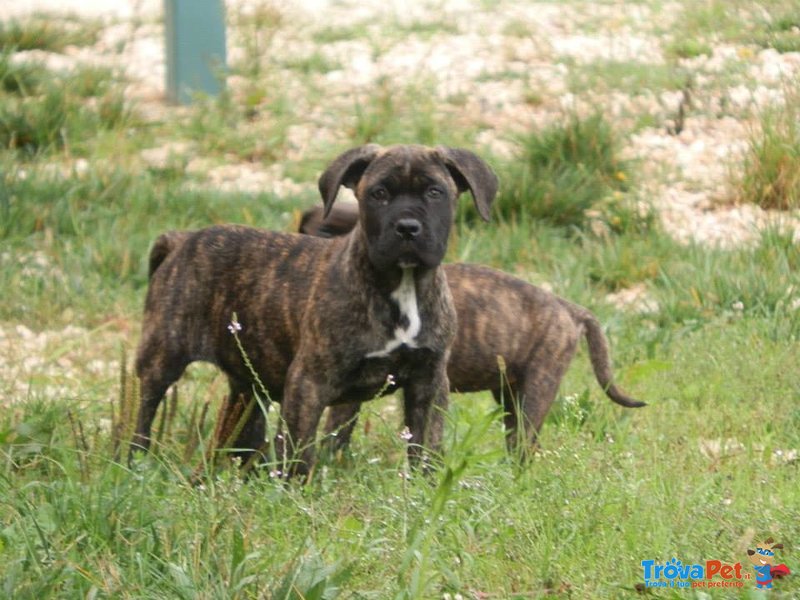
x,y
434,193
380,194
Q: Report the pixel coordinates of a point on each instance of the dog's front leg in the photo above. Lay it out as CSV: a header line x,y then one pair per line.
x,y
340,425
304,399
425,402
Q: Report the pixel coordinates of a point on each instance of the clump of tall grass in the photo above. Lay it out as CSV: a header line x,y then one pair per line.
x,y
770,173
774,24
563,171
390,115
687,47
19,78
782,31
41,111
43,32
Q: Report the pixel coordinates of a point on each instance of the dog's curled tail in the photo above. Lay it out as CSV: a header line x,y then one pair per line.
x,y
164,245
601,361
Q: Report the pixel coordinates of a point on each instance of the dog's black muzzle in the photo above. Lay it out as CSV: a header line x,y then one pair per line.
x,y
408,229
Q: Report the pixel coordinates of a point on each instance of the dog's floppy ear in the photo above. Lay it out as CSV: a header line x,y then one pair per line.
x,y
346,169
473,174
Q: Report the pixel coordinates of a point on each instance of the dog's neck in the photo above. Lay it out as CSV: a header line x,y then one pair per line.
x,y
409,321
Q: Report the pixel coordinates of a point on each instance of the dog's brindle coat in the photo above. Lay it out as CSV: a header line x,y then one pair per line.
x,y
323,321
534,331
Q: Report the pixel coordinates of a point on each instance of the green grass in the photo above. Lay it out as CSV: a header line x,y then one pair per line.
x,y
75,521
709,18
255,29
252,128
425,29
332,35
658,488
707,469
316,62
782,29
115,210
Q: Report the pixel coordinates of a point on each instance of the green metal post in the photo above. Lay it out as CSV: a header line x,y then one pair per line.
x,y
195,45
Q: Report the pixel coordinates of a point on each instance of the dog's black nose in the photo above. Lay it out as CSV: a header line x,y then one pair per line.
x,y
408,229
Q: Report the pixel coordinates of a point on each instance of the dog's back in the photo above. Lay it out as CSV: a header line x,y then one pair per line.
x,y
529,327
502,316
340,221
200,279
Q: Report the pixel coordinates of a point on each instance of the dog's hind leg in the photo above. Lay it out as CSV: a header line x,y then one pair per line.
x,y
242,422
538,392
509,399
155,374
528,401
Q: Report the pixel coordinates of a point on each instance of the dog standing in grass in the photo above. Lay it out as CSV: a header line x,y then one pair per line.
x,y
513,338
323,322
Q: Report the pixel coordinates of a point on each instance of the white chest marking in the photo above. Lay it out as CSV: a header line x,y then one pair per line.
x,y
406,297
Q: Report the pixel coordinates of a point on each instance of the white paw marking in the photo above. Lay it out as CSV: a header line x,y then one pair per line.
x,y
406,297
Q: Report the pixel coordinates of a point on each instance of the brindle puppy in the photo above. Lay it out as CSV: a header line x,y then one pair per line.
x,y
322,321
